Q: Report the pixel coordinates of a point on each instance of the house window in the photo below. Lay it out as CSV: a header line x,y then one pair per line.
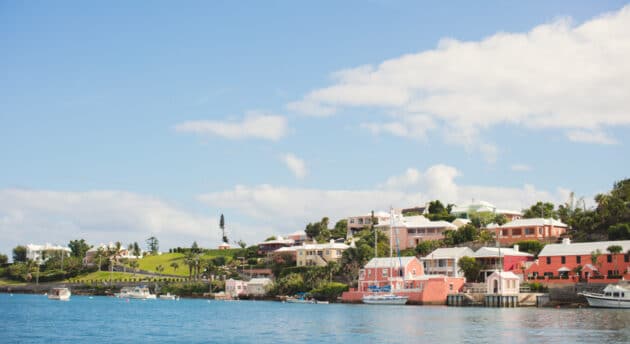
x,y
548,260
563,260
516,231
540,232
385,272
609,258
505,232
529,231
578,259
413,272
626,258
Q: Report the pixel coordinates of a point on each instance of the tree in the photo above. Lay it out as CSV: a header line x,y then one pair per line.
x,y
136,249
340,230
159,269
3,259
134,265
437,211
540,209
19,254
78,248
194,247
500,219
312,230
427,246
470,267
192,260
595,258
222,226
153,245
620,231
530,246
175,266
241,244
614,251
273,237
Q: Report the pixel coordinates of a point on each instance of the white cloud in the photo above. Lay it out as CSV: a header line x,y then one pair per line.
x,y
520,168
289,209
255,125
40,216
296,165
591,136
557,76
413,126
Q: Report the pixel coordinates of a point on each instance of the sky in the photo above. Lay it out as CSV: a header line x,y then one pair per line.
x,y
123,120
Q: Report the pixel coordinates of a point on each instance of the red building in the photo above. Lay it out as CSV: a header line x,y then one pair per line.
x,y
574,261
548,230
509,259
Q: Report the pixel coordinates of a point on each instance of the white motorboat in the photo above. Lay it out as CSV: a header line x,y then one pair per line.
x,y
168,296
142,293
384,299
299,300
62,294
614,296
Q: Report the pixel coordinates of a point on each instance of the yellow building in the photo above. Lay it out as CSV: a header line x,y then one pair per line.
x,y
319,254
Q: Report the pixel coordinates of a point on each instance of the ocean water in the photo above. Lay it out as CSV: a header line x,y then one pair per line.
x,y
35,319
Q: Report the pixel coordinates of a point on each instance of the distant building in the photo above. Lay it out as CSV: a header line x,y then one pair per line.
x,y
41,253
409,231
319,254
382,272
443,261
225,246
561,260
358,223
123,253
463,212
548,230
503,282
298,237
258,286
272,245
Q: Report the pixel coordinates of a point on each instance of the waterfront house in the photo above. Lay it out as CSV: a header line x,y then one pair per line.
x,y
443,261
319,254
234,288
575,260
503,282
506,259
41,253
258,286
123,253
547,230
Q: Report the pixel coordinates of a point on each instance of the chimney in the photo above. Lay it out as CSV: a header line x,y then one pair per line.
x,y
566,241
516,248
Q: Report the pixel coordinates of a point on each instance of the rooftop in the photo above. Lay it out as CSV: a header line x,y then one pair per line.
x,y
389,262
449,252
534,222
583,248
486,252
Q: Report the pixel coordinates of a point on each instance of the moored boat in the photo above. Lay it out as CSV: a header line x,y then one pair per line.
x,y
614,296
141,292
384,299
168,296
62,294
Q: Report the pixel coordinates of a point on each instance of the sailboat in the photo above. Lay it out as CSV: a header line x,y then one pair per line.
x,y
384,295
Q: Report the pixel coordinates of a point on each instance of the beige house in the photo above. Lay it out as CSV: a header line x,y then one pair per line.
x,y
503,283
257,286
319,254
357,223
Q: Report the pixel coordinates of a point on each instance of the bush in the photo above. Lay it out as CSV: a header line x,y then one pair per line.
x,y
329,291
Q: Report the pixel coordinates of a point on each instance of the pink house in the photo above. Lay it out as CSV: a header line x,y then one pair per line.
x,y
547,230
234,288
409,231
406,277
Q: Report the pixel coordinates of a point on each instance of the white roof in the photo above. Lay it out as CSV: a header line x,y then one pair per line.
x,y
449,252
327,246
286,249
504,274
259,281
389,262
418,221
582,248
534,222
486,252
278,241
300,233
47,247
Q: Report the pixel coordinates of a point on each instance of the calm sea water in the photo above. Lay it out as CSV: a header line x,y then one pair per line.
x,y
35,319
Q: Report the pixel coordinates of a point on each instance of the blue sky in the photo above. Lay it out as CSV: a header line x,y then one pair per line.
x,y
124,120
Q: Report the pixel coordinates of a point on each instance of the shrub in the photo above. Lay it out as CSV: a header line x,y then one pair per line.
x,y
329,291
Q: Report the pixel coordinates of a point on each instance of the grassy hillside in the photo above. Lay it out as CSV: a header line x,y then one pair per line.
x,y
149,263
103,276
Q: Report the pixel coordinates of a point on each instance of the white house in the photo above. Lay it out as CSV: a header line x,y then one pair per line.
x,y
41,253
503,282
234,288
443,261
258,286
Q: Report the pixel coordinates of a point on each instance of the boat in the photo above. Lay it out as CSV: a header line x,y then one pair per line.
x,y
299,298
384,299
62,294
140,292
614,296
168,296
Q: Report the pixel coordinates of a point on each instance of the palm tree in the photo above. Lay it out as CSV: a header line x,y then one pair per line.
x,y
595,257
114,254
100,254
614,250
134,265
192,260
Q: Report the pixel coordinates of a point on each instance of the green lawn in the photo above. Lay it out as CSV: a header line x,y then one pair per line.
x,y
10,282
149,263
